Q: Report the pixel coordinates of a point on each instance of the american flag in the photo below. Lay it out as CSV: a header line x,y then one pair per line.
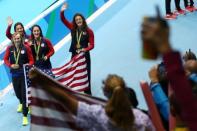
x,y
28,82
49,114
73,75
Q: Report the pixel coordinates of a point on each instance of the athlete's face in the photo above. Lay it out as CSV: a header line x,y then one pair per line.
x,y
20,29
79,21
36,32
17,39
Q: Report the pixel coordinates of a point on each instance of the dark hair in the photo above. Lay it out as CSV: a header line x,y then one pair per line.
x,y
19,23
32,36
162,75
84,26
132,97
189,55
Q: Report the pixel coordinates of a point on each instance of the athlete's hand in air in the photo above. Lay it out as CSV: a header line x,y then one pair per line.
x,y
9,21
64,6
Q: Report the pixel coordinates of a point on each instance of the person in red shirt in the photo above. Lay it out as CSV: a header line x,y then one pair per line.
x,y
42,49
82,39
16,56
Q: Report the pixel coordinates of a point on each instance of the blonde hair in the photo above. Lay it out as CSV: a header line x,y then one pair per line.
x,y
118,107
16,33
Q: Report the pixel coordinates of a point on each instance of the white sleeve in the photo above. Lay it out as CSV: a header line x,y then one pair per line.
x,y
87,115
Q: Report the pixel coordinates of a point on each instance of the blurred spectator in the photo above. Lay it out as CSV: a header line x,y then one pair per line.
x,y
157,74
176,111
115,116
189,55
157,34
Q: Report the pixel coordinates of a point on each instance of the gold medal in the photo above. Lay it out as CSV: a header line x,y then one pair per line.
x,y
16,55
37,50
78,46
78,39
37,58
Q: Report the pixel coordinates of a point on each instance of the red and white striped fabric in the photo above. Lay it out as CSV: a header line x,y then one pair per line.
x,y
73,74
49,114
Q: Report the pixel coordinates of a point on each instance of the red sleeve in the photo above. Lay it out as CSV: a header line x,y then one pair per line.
x,y
51,49
6,57
182,88
8,32
27,44
65,21
29,55
91,40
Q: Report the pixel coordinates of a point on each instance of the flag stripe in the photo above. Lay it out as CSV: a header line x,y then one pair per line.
x,y
69,64
76,80
47,113
76,76
75,66
52,122
82,87
78,83
55,114
69,77
37,127
61,120
73,74
64,66
47,103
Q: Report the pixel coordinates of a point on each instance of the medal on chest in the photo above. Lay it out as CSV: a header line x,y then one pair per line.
x,y
37,50
78,39
17,55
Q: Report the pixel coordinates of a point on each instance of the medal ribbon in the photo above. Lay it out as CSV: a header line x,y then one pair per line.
x,y
79,38
16,55
37,50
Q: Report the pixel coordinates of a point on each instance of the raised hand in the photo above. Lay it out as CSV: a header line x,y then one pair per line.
x,y
153,74
155,31
64,6
9,21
